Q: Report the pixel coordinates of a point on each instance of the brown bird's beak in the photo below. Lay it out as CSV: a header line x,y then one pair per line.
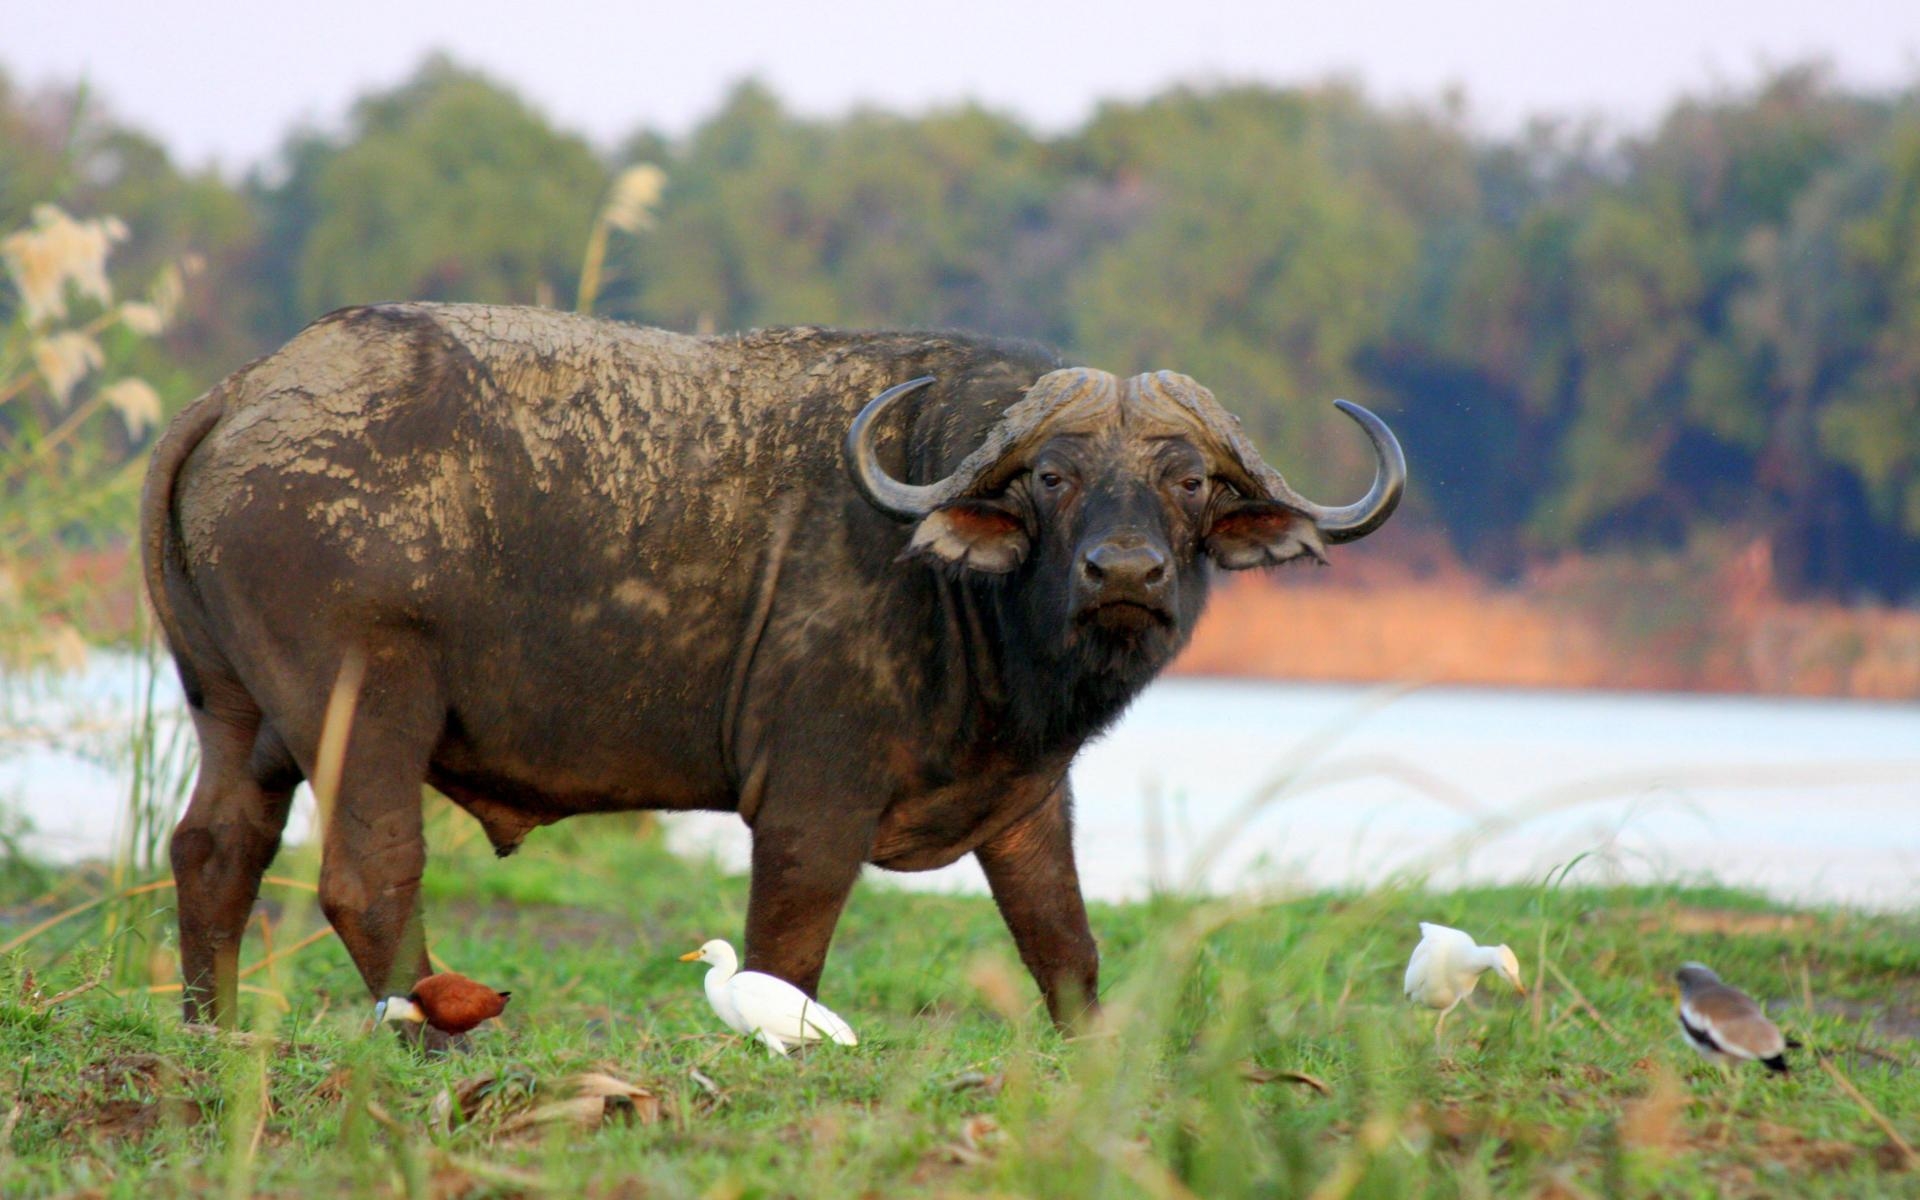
x,y
690,956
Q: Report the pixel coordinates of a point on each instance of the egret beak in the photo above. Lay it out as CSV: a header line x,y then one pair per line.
x,y
690,956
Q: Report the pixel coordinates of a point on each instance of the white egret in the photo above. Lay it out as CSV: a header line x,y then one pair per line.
x,y
1446,967
761,1006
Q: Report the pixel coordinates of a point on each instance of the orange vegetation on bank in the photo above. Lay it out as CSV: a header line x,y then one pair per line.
x,y
1578,625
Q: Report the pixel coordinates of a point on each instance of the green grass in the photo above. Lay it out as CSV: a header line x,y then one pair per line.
x,y
958,1086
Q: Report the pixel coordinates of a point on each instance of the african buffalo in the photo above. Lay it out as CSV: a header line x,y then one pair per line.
x,y
586,567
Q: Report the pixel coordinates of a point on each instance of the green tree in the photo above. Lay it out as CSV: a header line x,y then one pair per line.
x,y
1872,424
874,220
1633,328
1767,180
1256,264
64,146
447,188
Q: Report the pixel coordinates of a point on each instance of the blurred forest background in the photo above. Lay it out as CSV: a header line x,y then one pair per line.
x,y
1661,393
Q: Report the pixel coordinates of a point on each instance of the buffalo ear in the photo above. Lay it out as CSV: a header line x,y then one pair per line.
x,y
978,535
1260,533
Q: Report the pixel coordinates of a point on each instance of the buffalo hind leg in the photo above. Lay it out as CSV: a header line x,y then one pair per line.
x,y
373,849
1029,865
219,850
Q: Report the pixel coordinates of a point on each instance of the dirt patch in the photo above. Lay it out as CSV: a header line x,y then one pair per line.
x,y
1899,1023
125,1097
1800,1152
145,1072
133,1120
1726,922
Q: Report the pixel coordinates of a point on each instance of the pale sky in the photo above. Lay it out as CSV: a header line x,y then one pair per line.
x,y
224,80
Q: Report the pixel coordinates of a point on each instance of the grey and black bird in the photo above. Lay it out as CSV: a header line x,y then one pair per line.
x,y
1724,1024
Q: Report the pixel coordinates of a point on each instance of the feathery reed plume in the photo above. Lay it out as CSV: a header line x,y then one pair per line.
x,y
629,207
56,252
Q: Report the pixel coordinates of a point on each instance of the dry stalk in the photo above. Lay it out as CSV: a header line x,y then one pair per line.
x,y
163,989
325,931
1866,1106
1580,999
87,906
1373,1136
99,978
330,761
1152,1175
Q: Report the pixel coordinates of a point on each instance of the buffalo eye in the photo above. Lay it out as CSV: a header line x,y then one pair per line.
x,y
1052,480
1192,485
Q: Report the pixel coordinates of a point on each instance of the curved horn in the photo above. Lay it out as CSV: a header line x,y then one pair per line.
x,y
1343,524
907,501
1350,522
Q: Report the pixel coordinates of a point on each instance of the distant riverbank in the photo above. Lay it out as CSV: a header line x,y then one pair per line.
x,y
1583,624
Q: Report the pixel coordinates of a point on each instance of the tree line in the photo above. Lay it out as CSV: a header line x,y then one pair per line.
x,y
1695,338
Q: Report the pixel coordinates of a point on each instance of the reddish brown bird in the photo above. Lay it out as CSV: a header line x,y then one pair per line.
x,y
449,1001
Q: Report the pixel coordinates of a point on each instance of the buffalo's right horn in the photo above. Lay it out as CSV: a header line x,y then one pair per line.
x,y
1350,522
907,501
1343,523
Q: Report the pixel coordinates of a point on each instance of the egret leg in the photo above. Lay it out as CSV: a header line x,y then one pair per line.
x,y
1441,1023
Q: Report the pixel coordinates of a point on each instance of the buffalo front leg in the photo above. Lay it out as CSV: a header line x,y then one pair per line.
x,y
1029,865
220,849
370,888
803,872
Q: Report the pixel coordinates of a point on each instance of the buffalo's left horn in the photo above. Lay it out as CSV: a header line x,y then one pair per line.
x,y
1352,521
908,501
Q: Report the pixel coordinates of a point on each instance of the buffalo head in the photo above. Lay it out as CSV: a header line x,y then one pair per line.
x,y
1102,499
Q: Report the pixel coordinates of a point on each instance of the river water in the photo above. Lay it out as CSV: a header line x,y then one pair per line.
x,y
1230,785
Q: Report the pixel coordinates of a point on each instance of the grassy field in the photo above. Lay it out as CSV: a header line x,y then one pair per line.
x,y
1249,1049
